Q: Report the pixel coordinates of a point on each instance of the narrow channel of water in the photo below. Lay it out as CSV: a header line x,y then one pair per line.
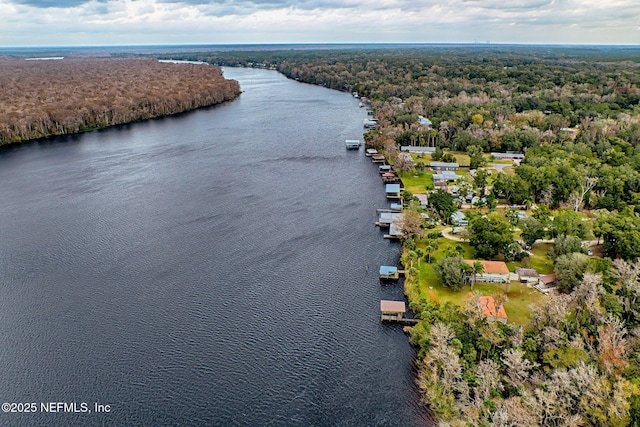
x,y
214,268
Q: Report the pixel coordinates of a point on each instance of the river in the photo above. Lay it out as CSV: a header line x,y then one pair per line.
x,y
213,268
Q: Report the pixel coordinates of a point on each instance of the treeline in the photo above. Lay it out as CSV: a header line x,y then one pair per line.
x,y
498,98
56,97
575,364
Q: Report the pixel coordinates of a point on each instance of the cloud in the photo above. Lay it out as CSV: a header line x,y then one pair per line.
x,y
41,22
44,4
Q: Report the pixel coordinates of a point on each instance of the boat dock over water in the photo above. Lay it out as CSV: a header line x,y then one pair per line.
x,y
394,311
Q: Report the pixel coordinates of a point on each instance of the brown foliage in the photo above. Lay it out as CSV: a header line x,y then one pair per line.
x,y
44,98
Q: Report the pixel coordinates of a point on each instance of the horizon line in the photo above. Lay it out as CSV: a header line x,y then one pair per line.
x,y
470,43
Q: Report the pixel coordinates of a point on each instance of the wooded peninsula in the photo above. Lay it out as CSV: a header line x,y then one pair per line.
x,y
41,98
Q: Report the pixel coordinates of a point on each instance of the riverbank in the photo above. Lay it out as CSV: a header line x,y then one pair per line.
x,y
67,96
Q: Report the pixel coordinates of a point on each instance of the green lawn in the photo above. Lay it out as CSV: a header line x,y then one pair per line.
x,y
538,260
417,183
519,297
461,158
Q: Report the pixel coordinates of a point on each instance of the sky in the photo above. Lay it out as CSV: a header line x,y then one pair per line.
x,y
140,22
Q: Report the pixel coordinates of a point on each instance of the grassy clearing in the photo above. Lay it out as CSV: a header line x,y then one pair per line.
x,y
518,299
462,159
538,259
418,182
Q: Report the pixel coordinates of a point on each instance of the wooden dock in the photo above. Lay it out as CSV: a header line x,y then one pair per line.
x,y
401,320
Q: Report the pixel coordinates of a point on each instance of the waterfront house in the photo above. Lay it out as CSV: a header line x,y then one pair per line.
x,y
487,305
443,166
393,191
494,271
389,272
527,275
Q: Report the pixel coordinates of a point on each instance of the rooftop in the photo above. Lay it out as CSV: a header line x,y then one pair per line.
x,y
392,188
548,278
488,308
490,267
443,164
388,217
529,272
387,306
388,269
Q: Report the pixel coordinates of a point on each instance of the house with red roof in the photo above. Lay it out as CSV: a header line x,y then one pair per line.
x,y
494,271
487,305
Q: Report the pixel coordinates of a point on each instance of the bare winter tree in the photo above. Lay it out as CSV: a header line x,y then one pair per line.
x,y
518,368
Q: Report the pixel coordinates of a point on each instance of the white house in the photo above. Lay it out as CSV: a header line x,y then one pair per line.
x,y
494,271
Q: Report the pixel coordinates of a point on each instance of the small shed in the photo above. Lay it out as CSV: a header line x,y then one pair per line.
x,y
392,310
384,168
527,275
389,272
377,158
370,152
546,283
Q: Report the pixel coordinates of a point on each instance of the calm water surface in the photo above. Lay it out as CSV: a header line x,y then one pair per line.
x,y
211,269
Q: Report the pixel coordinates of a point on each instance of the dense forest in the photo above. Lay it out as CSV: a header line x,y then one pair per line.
x,y
42,98
575,113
